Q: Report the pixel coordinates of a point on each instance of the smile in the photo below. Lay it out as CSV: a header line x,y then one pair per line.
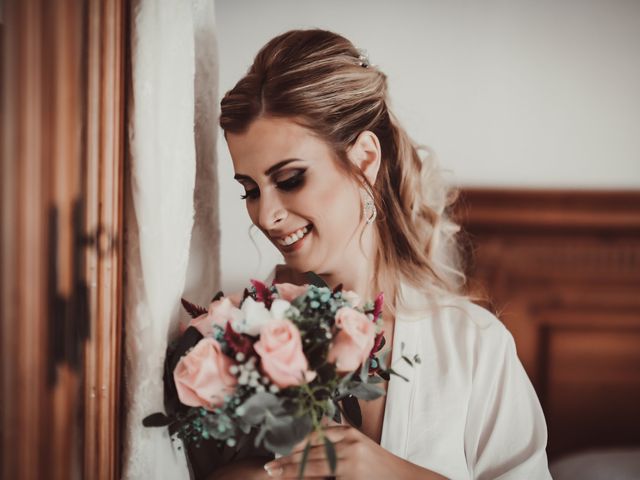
x,y
295,236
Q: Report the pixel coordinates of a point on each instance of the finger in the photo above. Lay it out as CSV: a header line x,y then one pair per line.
x,y
330,422
317,452
334,433
312,469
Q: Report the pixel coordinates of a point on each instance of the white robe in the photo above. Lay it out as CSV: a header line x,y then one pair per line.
x,y
469,410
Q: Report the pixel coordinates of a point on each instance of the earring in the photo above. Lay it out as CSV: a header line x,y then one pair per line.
x,y
369,210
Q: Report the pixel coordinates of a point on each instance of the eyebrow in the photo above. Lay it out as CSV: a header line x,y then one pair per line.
x,y
270,171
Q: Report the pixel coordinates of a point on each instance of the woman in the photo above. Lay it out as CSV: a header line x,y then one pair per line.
x,y
339,188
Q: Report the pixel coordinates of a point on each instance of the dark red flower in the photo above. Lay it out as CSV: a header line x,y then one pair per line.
x,y
263,294
377,308
238,342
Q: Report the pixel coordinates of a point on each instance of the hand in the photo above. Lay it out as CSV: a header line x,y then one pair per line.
x,y
248,469
359,457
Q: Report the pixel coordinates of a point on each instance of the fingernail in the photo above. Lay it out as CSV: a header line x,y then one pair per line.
x,y
273,470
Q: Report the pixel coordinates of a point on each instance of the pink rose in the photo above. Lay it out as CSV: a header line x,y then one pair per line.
x,y
280,348
289,291
202,376
354,341
220,312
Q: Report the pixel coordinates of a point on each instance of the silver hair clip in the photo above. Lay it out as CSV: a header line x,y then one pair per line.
x,y
363,58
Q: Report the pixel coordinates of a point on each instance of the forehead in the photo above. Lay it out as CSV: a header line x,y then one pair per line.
x,y
270,140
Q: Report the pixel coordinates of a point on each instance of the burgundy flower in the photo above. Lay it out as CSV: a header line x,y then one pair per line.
x,y
377,308
263,294
238,342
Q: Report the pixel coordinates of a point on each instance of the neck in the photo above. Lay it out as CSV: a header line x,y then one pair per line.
x,y
356,270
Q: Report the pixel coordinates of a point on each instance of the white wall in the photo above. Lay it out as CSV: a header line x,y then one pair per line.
x,y
509,93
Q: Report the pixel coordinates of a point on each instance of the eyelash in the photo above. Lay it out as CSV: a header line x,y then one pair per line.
x,y
289,184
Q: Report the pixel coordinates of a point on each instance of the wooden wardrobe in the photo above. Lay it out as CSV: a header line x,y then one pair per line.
x,y
562,270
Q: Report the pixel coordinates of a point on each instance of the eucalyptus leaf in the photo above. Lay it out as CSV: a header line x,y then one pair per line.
x,y
283,433
303,462
393,372
254,409
330,449
352,411
345,380
366,391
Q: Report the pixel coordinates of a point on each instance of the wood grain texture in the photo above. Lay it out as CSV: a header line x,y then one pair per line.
x,y
562,271
61,256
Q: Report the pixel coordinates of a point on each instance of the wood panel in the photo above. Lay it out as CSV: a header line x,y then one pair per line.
x,y
62,145
562,271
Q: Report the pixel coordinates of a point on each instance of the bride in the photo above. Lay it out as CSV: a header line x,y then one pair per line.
x,y
336,185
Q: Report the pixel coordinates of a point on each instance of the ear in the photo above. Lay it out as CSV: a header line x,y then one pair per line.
x,y
366,154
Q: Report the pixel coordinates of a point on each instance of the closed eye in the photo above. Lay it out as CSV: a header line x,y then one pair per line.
x,y
253,193
290,184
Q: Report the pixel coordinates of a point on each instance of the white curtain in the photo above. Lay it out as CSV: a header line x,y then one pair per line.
x,y
172,235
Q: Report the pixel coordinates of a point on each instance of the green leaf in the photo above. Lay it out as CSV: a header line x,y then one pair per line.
x,y
407,359
303,462
156,420
417,359
314,279
366,391
393,372
330,449
352,412
255,408
283,433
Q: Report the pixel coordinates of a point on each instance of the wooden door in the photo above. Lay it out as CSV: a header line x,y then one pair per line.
x,y
63,112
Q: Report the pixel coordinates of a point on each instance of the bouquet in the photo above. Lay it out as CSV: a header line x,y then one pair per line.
x,y
259,375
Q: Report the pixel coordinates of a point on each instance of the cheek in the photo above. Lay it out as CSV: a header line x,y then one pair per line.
x,y
336,199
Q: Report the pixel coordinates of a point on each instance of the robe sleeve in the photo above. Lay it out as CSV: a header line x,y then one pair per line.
x,y
505,433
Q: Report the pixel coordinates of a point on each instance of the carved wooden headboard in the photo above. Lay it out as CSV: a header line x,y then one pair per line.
x,y
562,271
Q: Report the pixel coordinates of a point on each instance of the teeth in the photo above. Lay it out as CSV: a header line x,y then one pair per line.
x,y
294,237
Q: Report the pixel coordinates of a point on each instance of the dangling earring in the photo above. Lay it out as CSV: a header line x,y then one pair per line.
x,y
369,210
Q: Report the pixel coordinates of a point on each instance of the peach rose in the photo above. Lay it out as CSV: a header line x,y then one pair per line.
x,y
289,291
202,376
280,349
220,312
354,341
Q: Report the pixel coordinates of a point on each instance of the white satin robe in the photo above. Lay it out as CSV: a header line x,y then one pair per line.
x,y
469,410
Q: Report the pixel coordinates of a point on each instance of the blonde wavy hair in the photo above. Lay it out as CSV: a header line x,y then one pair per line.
x,y
317,79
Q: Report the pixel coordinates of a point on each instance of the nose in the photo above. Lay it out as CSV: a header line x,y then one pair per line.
x,y
272,212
